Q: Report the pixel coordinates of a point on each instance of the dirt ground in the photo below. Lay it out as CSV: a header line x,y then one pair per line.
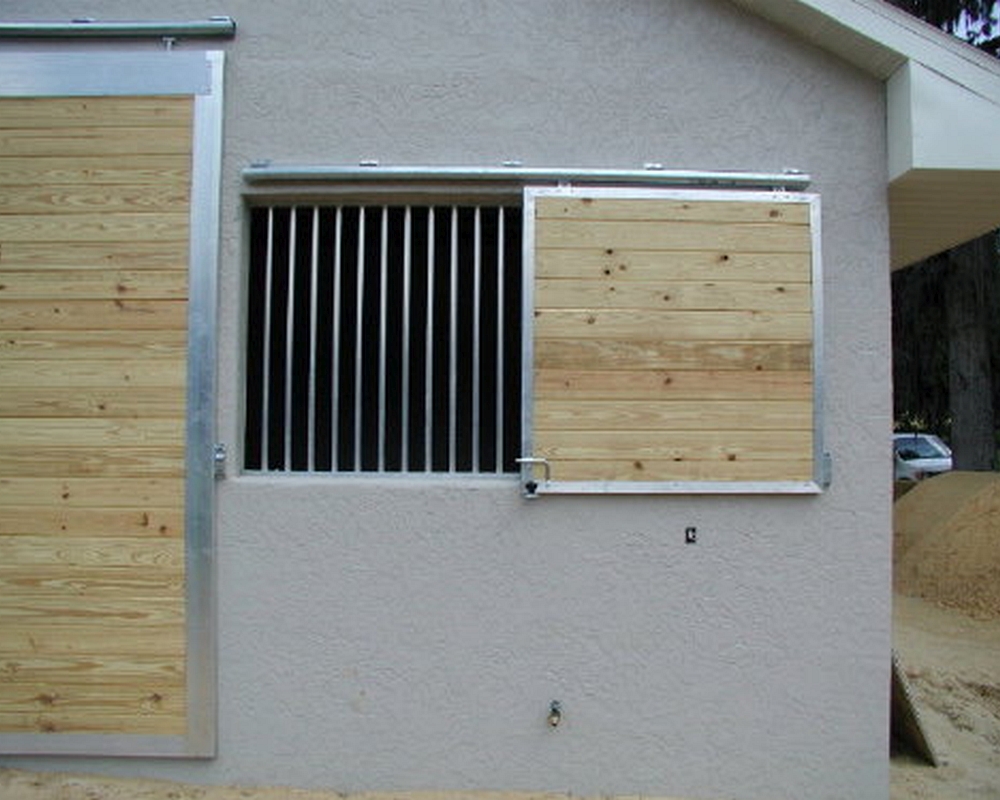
x,y
952,661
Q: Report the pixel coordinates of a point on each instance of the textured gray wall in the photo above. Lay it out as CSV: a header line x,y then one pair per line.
x,y
377,634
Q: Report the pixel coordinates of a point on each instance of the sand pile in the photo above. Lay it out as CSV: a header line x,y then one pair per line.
x,y
947,542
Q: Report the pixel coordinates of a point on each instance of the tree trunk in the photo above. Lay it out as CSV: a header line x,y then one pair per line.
x,y
967,289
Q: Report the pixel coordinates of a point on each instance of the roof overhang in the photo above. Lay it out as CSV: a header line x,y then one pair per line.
x,y
942,109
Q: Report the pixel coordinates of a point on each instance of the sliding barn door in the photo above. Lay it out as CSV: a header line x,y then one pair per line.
x,y
95,249
673,341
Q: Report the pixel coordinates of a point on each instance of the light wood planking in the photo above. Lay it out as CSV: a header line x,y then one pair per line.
x,y
93,316
149,493
93,671
91,345
677,445
113,521
671,210
45,113
625,325
672,339
94,227
96,433
92,581
48,722
698,236
85,315
107,551
89,198
671,295
654,414
620,384
601,263
96,141
67,174
91,401
92,641
645,470
59,460
65,610
157,373
94,284
580,354
36,256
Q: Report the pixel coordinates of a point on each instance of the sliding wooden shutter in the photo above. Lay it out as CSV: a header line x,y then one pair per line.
x,y
673,341
95,245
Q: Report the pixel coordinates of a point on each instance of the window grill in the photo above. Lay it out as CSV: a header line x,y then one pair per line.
x,y
383,339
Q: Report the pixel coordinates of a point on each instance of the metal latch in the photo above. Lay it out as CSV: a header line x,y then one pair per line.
x,y
531,485
219,456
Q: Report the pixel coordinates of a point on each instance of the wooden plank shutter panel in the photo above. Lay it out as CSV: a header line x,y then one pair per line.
x,y
672,341
94,217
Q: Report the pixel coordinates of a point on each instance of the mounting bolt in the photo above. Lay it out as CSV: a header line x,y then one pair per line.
x,y
555,714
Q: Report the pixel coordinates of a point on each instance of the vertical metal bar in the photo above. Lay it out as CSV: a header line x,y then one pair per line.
x,y
359,337
265,416
476,314
453,344
404,456
290,338
313,280
429,348
501,272
335,374
382,308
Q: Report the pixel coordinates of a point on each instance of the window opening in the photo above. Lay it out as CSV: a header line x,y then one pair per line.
x,y
384,338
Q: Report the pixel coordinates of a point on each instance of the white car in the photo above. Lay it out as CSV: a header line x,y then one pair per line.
x,y
920,453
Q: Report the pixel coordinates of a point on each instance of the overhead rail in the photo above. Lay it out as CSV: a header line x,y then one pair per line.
x,y
652,174
88,28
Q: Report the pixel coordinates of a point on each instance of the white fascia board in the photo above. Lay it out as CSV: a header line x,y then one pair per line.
x,y
878,38
935,123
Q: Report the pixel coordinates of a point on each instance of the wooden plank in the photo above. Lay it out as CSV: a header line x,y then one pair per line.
x,y
92,140
158,493
91,198
92,641
28,669
55,315
91,227
106,402
96,582
659,354
600,263
652,470
694,415
624,325
18,520
666,294
571,234
622,384
683,445
666,210
59,461
162,373
60,255
15,612
89,345
96,433
89,721
97,551
72,112
170,172
94,285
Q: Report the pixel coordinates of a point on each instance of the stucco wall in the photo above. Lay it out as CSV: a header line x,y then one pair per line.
x,y
381,634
